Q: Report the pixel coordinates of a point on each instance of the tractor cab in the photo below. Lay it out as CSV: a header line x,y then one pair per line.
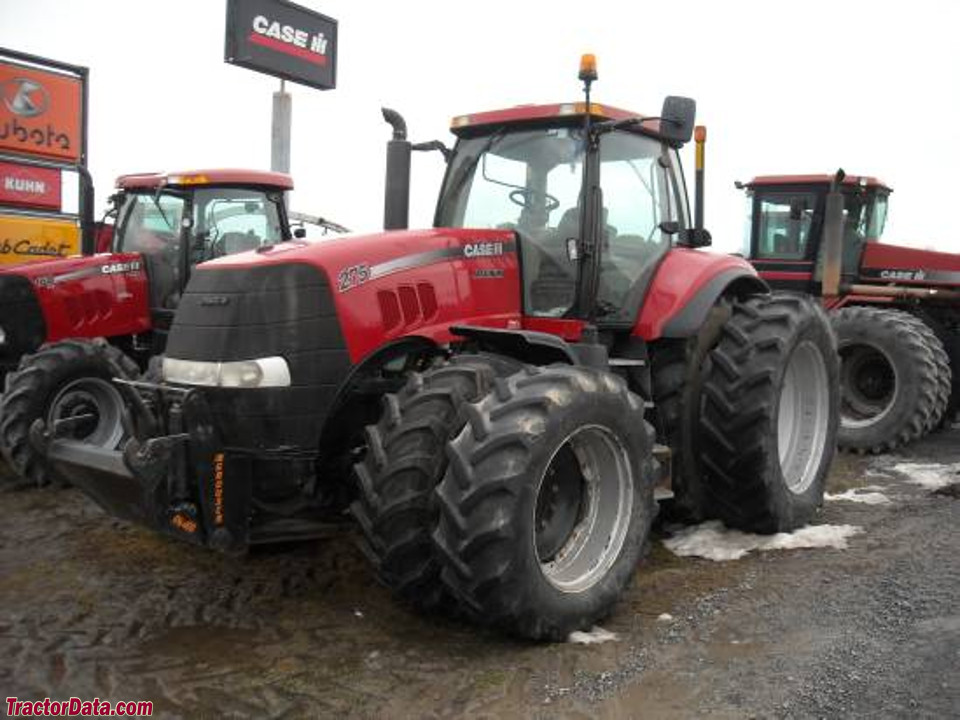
x,y
175,221
784,228
523,170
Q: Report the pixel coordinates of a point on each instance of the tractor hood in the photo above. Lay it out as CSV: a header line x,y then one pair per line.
x,y
906,265
382,287
79,296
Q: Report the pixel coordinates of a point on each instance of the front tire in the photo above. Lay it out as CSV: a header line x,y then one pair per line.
x,y
64,379
770,414
547,503
396,507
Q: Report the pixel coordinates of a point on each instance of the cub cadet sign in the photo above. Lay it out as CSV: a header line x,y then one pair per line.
x,y
25,239
279,38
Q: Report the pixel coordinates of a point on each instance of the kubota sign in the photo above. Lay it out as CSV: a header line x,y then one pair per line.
x,y
283,39
41,112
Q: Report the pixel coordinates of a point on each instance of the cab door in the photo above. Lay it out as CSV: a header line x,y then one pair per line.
x,y
785,225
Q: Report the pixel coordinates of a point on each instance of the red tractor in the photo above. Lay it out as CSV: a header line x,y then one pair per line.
x,y
71,325
494,386
896,310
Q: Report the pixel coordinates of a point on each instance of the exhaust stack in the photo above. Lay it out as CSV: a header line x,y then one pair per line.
x,y
833,237
396,200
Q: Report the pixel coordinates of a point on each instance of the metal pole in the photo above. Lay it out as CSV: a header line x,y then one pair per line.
x,y
280,130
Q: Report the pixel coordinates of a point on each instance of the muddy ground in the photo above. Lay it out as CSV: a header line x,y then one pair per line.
x,y
90,607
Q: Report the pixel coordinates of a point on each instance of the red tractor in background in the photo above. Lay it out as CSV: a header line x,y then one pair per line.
x,y
896,310
71,325
485,396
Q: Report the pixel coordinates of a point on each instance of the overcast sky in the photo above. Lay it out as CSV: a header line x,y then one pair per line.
x,y
783,87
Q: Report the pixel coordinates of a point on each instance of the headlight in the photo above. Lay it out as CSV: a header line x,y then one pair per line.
x,y
263,372
3,336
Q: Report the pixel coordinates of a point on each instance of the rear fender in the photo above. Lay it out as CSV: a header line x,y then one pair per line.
x,y
687,285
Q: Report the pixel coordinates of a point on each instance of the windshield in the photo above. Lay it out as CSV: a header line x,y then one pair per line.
x,y
219,221
231,220
530,182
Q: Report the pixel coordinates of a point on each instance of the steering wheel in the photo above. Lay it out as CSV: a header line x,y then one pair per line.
x,y
524,197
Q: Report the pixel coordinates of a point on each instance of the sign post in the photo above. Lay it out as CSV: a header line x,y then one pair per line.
x,y
293,43
280,130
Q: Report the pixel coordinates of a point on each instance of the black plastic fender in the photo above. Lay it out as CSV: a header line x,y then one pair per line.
x,y
736,281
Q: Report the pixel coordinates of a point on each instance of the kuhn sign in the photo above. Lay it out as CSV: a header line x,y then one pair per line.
x,y
41,112
279,38
26,186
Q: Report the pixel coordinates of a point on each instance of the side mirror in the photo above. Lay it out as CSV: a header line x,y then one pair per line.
x,y
696,238
300,233
677,118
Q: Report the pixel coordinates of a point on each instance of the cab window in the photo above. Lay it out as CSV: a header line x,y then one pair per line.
x,y
784,224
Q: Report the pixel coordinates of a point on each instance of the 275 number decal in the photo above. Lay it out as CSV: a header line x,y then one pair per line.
x,y
351,277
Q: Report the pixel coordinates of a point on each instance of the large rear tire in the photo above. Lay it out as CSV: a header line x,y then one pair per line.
x,y
396,506
770,414
61,380
895,378
547,503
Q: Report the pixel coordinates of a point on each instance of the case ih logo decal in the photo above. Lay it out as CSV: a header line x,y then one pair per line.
x,y
120,267
903,275
483,249
289,39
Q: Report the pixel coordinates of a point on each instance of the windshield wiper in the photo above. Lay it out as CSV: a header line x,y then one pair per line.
x,y
156,201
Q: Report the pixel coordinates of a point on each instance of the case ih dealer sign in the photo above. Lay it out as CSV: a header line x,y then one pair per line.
x,y
279,38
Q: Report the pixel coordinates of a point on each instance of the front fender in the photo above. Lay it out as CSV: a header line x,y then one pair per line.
x,y
687,284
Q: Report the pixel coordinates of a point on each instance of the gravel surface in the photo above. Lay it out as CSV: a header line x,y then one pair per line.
x,y
91,607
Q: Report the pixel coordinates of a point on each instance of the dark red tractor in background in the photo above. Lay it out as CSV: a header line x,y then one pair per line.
x,y
896,310
495,386
71,325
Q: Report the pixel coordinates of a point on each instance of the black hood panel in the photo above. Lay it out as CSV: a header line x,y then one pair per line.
x,y
285,310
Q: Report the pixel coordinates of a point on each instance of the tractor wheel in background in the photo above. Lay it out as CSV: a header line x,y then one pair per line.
x,y
71,378
769,414
949,337
677,381
894,378
396,506
547,503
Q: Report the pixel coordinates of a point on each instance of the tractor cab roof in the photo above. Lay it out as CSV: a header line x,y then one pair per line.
x,y
481,122
280,181
848,181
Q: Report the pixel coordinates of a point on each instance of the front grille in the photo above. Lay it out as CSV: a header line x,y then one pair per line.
x,y
245,313
21,319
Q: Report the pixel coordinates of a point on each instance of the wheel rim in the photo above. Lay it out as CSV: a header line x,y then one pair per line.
x,y
583,509
868,385
804,417
93,397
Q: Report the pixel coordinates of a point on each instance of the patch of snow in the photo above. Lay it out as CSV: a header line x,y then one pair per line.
x,y
665,617
713,541
595,636
860,495
931,476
